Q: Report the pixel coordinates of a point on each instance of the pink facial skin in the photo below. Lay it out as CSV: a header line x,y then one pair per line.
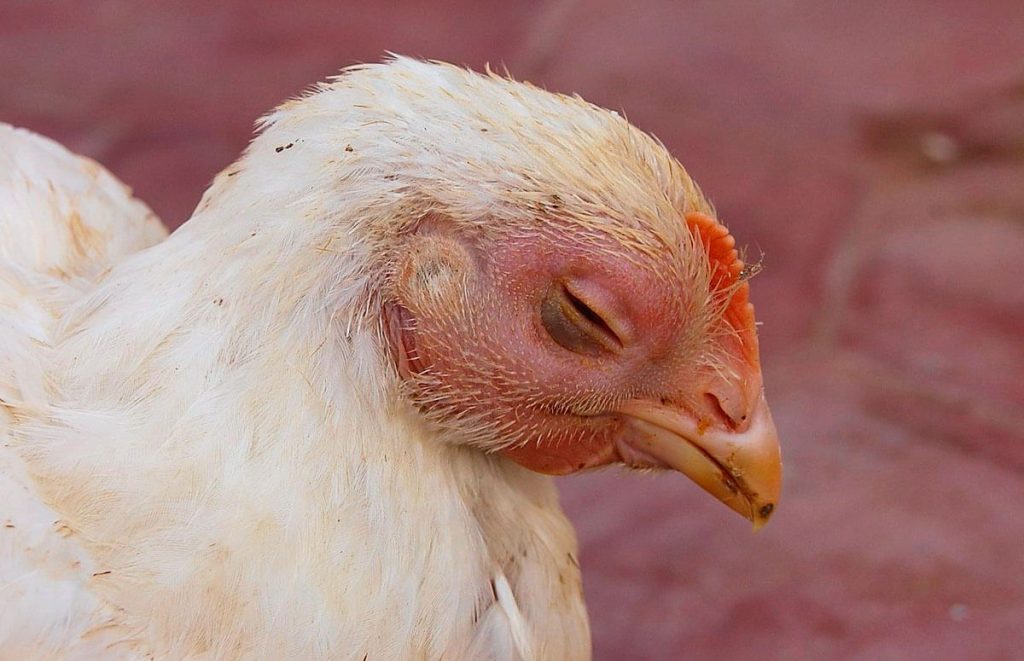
x,y
549,349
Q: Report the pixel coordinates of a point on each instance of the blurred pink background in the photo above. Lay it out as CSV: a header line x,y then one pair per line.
x,y
872,151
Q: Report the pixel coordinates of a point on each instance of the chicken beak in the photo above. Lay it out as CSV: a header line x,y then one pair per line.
x,y
740,467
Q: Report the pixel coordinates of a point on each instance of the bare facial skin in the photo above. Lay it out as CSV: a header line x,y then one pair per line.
x,y
576,354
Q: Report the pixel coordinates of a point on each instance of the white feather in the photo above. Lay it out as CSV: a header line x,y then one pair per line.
x,y
64,219
205,452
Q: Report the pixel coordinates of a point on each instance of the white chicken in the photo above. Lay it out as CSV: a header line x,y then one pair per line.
x,y
318,420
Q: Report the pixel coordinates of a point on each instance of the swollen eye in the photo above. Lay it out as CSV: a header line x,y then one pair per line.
x,y
575,325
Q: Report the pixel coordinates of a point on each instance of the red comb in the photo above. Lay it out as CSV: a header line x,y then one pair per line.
x,y
726,270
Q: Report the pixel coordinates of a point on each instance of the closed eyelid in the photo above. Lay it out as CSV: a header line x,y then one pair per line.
x,y
575,325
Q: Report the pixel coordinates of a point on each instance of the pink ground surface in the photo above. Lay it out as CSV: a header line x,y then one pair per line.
x,y
872,151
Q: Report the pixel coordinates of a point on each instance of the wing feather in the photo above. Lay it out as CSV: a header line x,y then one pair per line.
x,y
64,220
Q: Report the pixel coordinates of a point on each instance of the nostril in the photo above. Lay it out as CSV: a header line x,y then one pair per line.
x,y
718,410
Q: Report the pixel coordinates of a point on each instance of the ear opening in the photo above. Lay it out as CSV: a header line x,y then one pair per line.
x,y
433,271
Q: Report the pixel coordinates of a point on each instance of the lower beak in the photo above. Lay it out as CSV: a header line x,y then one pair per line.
x,y
741,468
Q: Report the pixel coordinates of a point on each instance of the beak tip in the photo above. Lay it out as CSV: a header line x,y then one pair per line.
x,y
742,469
761,516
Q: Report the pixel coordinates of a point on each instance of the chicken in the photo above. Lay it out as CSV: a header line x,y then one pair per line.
x,y
320,419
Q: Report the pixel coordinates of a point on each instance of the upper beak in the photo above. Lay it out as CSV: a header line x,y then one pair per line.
x,y
740,467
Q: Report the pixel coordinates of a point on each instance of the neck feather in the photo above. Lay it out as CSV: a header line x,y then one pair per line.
x,y
235,454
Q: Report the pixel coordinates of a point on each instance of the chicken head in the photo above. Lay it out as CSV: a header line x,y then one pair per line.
x,y
566,347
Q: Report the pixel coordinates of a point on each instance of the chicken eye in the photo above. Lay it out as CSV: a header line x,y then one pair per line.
x,y
575,325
